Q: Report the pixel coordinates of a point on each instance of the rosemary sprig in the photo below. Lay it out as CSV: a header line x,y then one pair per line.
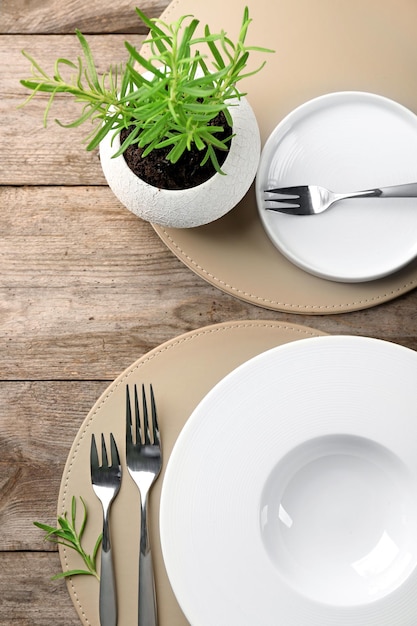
x,y
174,105
67,535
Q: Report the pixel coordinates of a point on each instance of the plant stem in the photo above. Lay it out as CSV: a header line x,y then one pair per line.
x,y
66,534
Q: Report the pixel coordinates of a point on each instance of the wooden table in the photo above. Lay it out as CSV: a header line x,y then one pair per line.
x,y
86,289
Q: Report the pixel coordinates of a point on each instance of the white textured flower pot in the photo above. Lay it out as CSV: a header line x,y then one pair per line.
x,y
198,205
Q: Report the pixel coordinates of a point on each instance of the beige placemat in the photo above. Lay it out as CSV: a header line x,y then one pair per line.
x,y
321,46
182,371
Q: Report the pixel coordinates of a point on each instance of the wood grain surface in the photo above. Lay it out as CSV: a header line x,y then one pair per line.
x,y
86,288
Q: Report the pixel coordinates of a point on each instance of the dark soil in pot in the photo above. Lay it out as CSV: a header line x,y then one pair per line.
x,y
156,170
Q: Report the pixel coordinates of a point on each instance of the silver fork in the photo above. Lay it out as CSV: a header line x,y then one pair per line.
x,y
144,462
313,199
106,478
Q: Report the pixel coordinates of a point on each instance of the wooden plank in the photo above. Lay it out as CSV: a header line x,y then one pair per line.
x,y
28,596
81,278
56,155
86,288
54,16
39,421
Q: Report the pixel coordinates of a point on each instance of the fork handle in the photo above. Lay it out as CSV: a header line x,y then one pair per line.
x,y
108,599
399,191
147,611
409,190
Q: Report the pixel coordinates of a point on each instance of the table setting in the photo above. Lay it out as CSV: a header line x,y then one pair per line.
x,y
245,262
235,401
309,408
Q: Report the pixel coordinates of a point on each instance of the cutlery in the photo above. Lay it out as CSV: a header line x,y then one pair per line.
x,y
313,199
144,462
106,479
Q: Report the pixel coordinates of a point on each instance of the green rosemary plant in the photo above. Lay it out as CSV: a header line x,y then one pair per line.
x,y
167,98
67,535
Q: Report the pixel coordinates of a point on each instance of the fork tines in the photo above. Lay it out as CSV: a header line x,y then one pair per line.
x,y
286,195
114,454
294,200
290,191
135,433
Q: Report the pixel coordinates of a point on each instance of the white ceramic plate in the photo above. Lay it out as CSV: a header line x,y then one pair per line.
x,y
344,141
291,494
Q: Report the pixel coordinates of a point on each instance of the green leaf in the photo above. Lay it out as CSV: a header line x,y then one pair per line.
x,y
252,73
245,25
198,91
88,113
64,523
214,49
241,63
199,143
204,108
84,521
130,139
132,78
189,31
228,117
146,89
172,140
58,62
147,65
100,134
158,35
92,72
35,65
44,527
96,548
148,135
62,534
44,87
211,140
72,572
211,154
178,150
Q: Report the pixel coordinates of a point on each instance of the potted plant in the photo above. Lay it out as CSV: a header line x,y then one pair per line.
x,y
179,143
